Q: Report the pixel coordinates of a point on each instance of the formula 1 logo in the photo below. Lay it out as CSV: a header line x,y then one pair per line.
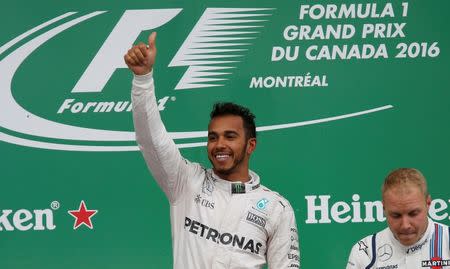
x,y
218,41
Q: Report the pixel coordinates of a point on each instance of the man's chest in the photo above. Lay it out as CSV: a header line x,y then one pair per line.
x,y
241,221
421,257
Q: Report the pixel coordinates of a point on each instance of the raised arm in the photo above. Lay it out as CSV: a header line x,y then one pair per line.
x,y
160,152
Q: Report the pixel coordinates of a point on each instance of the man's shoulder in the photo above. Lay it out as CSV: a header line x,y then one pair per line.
x,y
365,242
277,197
199,167
373,238
362,252
441,224
195,171
443,230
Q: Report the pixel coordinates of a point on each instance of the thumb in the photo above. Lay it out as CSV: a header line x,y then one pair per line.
x,y
152,41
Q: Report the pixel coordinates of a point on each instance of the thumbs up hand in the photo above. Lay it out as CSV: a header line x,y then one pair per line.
x,y
141,57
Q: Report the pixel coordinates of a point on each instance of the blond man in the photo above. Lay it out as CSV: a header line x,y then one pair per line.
x,y
412,239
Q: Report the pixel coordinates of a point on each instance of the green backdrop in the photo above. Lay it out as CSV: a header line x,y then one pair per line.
x,y
343,92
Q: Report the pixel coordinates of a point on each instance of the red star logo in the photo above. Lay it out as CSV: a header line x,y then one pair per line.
x,y
82,216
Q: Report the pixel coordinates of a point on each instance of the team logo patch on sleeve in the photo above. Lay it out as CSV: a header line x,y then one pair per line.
x,y
363,247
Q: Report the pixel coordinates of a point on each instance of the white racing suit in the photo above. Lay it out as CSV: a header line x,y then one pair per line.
x,y
215,223
383,251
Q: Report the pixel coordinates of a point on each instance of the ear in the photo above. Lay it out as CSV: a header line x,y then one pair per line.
x,y
251,145
428,201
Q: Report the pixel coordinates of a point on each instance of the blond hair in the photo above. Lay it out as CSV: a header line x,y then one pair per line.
x,y
404,177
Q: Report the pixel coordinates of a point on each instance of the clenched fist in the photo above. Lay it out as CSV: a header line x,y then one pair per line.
x,y
140,58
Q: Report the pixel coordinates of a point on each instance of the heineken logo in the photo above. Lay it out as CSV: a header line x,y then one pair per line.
x,y
323,209
25,220
43,219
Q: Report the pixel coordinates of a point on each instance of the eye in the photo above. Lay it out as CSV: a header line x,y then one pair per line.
x,y
414,213
395,215
212,137
230,135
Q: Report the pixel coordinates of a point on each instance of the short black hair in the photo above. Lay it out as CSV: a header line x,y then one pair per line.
x,y
228,108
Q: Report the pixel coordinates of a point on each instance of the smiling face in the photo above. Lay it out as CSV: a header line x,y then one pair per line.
x,y
406,208
229,149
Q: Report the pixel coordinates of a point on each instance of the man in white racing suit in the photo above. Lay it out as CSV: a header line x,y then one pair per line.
x,y
220,217
412,240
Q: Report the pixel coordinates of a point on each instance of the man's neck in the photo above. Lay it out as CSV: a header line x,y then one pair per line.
x,y
235,177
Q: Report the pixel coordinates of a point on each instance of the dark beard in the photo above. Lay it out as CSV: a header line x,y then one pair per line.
x,y
230,170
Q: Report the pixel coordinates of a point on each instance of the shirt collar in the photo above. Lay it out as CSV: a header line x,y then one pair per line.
x,y
236,187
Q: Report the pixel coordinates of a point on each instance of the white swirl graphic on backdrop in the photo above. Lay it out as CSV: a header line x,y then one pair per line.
x,y
17,119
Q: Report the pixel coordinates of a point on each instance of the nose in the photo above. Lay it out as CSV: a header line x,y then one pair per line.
x,y
405,224
220,143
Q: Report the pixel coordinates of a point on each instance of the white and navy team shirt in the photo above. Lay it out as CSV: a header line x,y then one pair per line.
x,y
383,251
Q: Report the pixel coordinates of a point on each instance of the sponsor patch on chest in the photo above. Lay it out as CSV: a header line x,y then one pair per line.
x,y
255,219
436,263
